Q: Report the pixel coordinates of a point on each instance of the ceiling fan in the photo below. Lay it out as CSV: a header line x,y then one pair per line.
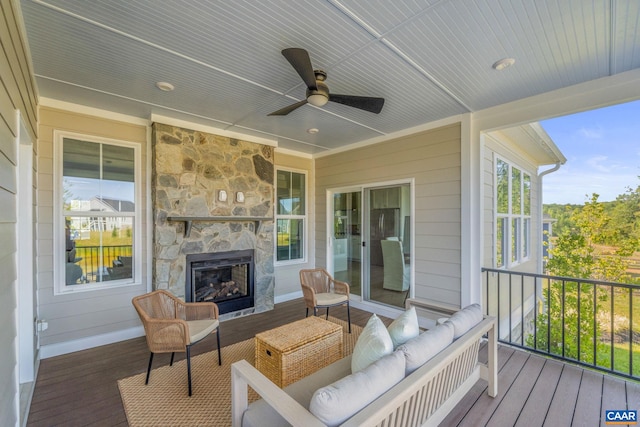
x,y
317,90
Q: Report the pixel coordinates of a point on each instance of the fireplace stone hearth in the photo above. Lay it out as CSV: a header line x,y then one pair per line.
x,y
189,170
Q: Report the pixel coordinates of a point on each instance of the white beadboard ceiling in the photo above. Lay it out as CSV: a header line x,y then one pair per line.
x,y
429,59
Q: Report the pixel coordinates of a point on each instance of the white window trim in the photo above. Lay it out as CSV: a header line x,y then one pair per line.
x,y
60,286
508,238
304,217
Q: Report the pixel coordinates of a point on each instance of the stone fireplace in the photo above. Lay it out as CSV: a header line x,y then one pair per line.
x,y
193,223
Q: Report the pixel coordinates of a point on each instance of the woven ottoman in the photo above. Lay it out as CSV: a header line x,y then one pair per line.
x,y
293,351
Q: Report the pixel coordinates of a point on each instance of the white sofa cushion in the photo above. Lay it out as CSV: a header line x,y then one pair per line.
x,y
419,350
373,343
465,319
404,327
339,401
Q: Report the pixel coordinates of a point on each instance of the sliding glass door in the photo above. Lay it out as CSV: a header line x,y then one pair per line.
x,y
346,238
370,242
388,244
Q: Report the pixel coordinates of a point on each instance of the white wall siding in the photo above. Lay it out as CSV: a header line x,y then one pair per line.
x,y
17,93
433,160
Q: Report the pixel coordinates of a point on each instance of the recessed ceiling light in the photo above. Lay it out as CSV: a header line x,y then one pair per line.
x,y
313,130
165,86
503,63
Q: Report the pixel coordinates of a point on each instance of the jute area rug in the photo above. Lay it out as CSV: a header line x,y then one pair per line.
x,y
165,401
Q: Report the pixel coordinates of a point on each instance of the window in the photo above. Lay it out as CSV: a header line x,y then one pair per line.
x,y
513,214
97,219
290,215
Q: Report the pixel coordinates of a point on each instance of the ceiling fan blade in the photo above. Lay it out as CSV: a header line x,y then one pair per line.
x,y
299,60
367,103
286,110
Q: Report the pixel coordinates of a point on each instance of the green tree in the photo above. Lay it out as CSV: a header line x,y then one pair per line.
x,y
567,322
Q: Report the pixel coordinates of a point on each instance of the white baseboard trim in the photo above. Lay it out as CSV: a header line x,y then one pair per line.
x,y
287,297
57,349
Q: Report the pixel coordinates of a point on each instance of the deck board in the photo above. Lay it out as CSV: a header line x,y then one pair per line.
x,y
485,406
516,397
565,397
534,410
80,389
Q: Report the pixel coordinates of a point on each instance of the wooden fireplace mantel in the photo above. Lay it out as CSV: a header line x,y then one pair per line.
x,y
188,220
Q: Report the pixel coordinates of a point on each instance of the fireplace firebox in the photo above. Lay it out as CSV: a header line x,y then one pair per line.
x,y
226,278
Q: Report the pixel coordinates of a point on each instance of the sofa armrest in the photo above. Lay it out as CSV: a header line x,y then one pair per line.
x,y
438,308
243,374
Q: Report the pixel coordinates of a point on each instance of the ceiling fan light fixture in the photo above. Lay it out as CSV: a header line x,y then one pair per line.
x,y
317,99
503,64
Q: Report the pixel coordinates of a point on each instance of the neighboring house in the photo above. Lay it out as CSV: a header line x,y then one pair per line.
x,y
454,168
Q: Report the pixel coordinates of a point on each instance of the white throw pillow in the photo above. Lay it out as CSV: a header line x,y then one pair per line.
x,y
373,343
337,402
419,350
404,327
465,319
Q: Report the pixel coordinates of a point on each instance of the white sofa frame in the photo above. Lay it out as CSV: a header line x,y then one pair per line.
x,y
423,398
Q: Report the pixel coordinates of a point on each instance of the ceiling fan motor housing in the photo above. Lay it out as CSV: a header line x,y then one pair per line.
x,y
321,89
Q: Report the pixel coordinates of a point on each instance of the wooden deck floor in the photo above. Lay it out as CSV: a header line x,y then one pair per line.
x,y
80,389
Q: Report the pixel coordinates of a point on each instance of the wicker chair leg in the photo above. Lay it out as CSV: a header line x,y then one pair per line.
x,y
149,368
189,367
171,362
219,355
349,315
306,314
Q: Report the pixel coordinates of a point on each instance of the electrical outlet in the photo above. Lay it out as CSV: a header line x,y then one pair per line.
x,y
42,325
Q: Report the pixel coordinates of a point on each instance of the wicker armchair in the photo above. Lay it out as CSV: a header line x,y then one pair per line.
x,y
320,290
172,325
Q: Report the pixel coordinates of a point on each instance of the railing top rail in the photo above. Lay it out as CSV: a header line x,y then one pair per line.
x,y
562,278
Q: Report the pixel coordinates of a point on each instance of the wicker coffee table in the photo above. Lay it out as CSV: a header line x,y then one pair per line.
x,y
293,351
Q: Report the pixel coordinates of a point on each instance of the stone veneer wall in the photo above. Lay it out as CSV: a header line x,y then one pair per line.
x,y
189,170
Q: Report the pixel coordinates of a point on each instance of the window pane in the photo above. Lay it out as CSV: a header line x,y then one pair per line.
x,y
516,191
527,194
502,186
81,159
290,239
284,192
98,249
515,239
525,235
291,193
117,163
297,194
500,243
91,185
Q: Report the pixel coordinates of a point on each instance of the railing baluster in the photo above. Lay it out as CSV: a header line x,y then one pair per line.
x,y
579,326
510,305
564,326
548,316
595,325
563,296
611,327
630,331
521,310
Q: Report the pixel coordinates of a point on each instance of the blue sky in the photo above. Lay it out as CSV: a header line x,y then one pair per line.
x,y
602,148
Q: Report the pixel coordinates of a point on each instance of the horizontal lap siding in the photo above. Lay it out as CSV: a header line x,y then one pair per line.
x,y
83,314
17,93
432,159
